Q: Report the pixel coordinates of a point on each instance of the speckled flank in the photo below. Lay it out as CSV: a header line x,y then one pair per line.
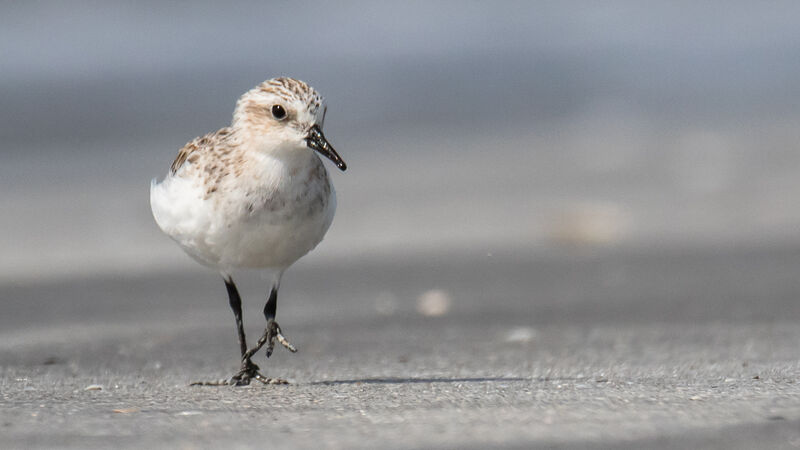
x,y
210,143
213,154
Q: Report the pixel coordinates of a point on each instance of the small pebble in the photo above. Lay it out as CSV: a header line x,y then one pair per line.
x,y
520,335
435,302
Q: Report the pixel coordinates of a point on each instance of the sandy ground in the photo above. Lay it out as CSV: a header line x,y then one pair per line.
x,y
560,349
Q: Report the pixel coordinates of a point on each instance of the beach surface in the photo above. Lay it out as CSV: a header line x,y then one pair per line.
x,y
562,349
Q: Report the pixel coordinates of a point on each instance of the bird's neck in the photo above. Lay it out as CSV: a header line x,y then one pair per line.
x,y
281,164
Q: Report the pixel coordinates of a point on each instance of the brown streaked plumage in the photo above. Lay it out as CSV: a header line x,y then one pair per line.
x,y
287,88
216,142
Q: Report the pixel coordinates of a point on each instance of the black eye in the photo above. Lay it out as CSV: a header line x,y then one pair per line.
x,y
278,112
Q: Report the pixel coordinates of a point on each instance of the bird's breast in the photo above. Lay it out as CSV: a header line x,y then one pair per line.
x,y
281,222
299,194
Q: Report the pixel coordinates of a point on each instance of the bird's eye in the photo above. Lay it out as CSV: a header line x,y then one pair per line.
x,y
278,112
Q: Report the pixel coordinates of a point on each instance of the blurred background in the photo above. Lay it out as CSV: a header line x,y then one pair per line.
x,y
468,127
560,220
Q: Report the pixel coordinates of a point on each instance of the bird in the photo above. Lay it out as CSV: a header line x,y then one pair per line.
x,y
253,195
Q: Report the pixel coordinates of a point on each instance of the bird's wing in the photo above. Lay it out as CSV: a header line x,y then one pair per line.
x,y
202,143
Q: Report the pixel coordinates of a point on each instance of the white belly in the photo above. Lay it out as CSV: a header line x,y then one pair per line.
x,y
254,228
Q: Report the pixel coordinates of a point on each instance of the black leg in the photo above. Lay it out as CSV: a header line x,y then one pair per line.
x,y
272,304
273,330
249,370
271,333
236,305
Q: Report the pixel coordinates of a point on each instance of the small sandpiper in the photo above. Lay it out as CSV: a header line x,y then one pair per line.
x,y
253,195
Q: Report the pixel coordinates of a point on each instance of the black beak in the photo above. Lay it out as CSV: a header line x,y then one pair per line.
x,y
316,141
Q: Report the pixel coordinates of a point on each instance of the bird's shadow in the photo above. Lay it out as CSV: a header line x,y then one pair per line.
x,y
412,380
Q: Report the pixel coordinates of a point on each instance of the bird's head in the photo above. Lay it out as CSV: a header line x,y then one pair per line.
x,y
285,115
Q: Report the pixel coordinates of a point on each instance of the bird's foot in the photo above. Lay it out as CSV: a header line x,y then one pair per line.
x,y
249,371
271,333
